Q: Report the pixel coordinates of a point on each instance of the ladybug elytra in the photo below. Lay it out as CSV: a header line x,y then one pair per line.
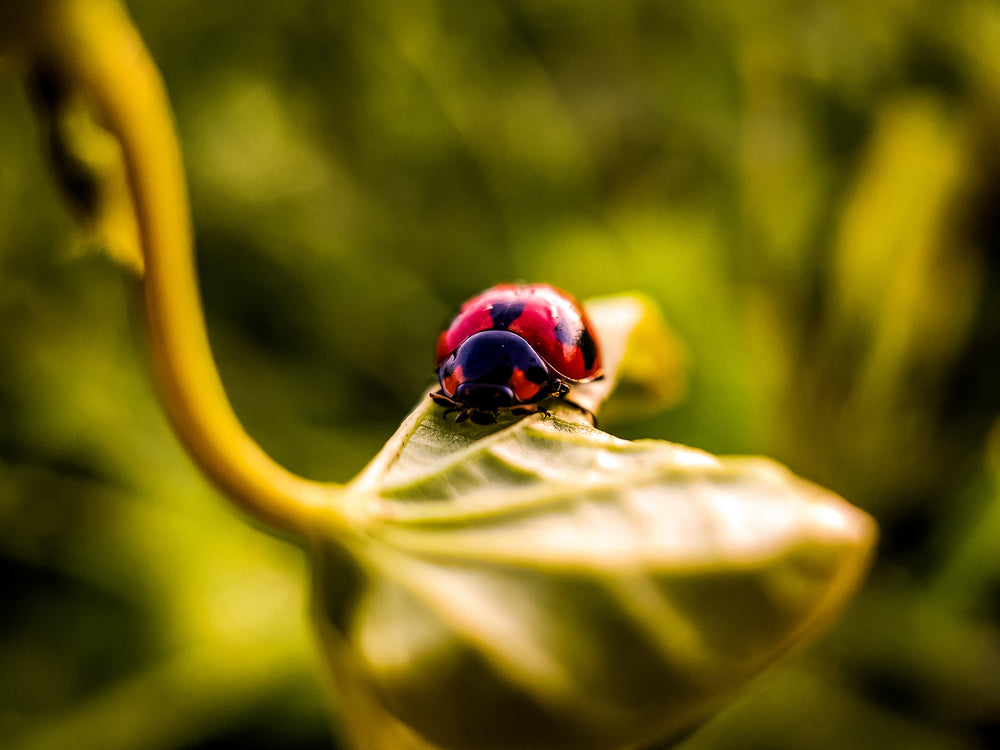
x,y
511,347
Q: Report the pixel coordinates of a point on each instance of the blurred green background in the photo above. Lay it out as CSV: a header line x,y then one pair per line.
x,y
810,190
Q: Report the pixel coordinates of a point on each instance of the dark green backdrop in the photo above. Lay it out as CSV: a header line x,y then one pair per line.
x,y
810,190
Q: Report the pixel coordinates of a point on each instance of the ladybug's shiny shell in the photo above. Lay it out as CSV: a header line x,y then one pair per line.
x,y
550,320
512,346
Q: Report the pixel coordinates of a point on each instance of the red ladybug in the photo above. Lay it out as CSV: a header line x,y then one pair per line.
x,y
511,347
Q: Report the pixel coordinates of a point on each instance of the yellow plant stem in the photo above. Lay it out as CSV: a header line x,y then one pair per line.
x,y
94,45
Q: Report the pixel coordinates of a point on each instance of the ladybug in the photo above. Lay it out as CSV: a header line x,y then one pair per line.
x,y
511,347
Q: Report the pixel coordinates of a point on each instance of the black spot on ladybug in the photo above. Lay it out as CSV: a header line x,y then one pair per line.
x,y
588,347
504,313
537,375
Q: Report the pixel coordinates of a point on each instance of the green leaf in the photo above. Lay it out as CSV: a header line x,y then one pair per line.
x,y
49,39
87,163
542,584
643,360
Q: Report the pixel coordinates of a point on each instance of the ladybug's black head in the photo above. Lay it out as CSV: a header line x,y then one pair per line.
x,y
484,396
495,370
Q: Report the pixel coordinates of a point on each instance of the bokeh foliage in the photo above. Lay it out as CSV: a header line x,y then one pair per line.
x,y
810,191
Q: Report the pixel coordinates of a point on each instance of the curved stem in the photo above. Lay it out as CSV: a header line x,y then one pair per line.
x,y
94,42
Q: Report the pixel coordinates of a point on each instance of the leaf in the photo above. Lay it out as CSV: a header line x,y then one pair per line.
x,y
644,362
542,584
86,159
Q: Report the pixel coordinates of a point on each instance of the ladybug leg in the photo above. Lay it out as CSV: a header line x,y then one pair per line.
x,y
450,405
441,400
464,413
